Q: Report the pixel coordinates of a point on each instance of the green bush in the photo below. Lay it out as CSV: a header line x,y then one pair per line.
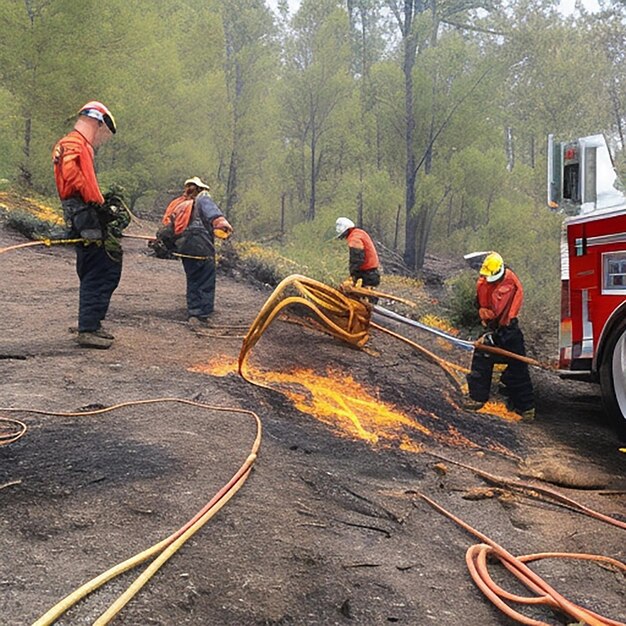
x,y
33,227
462,304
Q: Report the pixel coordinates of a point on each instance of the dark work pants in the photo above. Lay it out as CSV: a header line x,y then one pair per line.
x,y
370,278
99,277
516,376
200,286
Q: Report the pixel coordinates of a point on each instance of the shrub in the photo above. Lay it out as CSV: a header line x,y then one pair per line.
x,y
462,302
34,227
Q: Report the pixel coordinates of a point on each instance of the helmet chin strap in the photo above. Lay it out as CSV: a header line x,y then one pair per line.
x,y
497,276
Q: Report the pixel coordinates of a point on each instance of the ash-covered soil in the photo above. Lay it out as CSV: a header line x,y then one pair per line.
x,y
328,528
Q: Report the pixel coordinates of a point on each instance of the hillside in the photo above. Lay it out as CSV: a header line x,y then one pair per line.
x,y
328,529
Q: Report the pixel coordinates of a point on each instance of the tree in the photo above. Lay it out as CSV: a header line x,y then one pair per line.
x,y
247,64
316,81
419,23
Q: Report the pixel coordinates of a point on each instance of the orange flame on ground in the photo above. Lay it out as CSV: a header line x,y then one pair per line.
x,y
348,407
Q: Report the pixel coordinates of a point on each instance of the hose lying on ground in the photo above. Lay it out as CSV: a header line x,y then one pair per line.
x,y
168,546
526,487
15,431
476,559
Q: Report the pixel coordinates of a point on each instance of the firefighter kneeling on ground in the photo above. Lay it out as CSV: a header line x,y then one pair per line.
x,y
499,297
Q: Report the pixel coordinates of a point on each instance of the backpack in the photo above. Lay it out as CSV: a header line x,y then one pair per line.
x,y
175,221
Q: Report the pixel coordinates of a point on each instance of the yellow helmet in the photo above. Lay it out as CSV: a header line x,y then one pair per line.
x,y
493,267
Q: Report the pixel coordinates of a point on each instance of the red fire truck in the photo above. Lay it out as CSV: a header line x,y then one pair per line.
x,y
584,186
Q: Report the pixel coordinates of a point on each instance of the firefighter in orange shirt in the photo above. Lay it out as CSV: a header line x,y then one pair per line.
x,y
499,297
98,267
363,261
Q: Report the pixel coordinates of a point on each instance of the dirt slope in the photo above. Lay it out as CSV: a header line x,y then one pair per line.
x,y
326,530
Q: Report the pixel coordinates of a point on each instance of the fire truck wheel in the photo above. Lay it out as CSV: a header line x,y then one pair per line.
x,y
613,378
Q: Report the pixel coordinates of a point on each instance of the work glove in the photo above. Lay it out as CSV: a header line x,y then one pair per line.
x,y
486,315
487,339
221,227
114,214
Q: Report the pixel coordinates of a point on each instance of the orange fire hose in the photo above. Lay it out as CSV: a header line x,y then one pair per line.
x,y
164,549
18,430
533,487
476,559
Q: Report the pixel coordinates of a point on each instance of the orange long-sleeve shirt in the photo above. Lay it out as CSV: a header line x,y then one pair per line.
x,y
500,301
360,240
74,171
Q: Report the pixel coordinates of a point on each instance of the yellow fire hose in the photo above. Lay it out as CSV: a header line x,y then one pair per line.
x,y
344,317
165,548
347,319
50,242
40,242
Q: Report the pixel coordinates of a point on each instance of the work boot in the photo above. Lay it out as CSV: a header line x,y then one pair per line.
x,y
104,334
93,340
198,323
472,405
528,415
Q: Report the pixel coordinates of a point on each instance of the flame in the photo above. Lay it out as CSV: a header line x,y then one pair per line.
x,y
499,410
350,408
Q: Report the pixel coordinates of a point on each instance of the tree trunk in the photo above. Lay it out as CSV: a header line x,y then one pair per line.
x,y
231,185
311,212
616,112
397,230
25,175
509,148
410,47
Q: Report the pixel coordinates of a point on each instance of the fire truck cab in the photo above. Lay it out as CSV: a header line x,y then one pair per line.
x,y
584,186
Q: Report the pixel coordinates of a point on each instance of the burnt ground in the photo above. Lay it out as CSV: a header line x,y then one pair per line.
x,y
327,529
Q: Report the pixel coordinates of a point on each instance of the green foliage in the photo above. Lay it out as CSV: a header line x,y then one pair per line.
x,y
297,122
313,246
33,227
264,264
462,303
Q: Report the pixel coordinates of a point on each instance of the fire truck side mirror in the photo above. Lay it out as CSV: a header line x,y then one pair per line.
x,y
581,176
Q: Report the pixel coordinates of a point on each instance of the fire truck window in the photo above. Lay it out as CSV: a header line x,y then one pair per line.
x,y
571,188
615,272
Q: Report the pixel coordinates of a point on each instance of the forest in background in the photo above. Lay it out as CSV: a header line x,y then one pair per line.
x,y
425,122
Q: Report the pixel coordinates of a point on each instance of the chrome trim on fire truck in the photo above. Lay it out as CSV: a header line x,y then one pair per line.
x,y
602,240
587,343
582,374
564,254
596,215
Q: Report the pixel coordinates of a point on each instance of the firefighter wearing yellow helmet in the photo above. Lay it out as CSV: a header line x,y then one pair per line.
x,y
499,296
492,268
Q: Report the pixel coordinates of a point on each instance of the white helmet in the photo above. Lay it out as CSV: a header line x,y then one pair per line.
x,y
97,111
342,225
